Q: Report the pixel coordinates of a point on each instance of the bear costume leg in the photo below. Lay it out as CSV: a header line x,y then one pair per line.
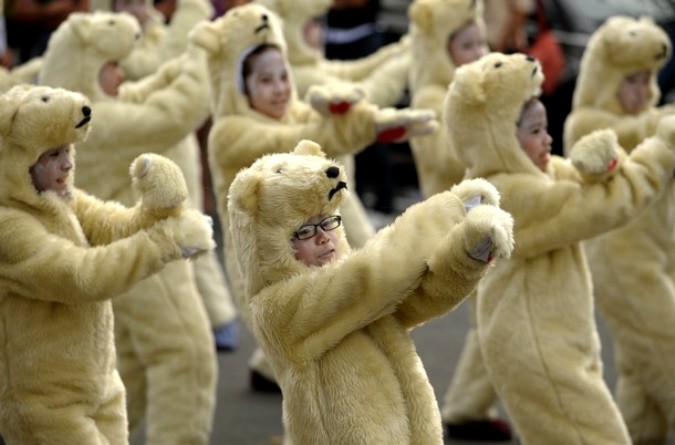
x,y
170,336
78,421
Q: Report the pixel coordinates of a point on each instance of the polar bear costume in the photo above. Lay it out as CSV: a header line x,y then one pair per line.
x,y
338,336
633,267
240,135
535,311
159,43
63,259
382,76
165,347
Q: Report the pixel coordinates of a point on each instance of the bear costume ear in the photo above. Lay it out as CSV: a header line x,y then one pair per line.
x,y
307,147
421,15
245,190
8,108
204,35
468,85
81,25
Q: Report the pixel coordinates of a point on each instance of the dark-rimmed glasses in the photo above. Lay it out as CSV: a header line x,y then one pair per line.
x,y
327,224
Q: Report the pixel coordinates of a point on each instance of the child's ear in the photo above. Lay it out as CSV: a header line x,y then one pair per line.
x,y
205,36
307,147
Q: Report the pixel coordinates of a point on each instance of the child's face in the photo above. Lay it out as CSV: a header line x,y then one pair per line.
x,y
467,45
532,133
634,93
319,249
51,171
268,84
110,78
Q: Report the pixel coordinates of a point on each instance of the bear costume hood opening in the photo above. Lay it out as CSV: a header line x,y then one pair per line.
x,y
227,41
486,99
620,46
80,47
34,119
271,199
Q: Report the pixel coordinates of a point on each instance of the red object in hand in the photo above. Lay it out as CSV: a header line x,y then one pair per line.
x,y
391,135
340,107
612,164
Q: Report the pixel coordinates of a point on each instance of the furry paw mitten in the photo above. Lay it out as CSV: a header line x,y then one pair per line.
x,y
334,98
397,125
597,155
488,233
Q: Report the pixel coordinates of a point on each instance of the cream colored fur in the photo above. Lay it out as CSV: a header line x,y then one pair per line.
x,y
535,311
432,24
240,135
63,260
338,336
174,393
632,267
382,75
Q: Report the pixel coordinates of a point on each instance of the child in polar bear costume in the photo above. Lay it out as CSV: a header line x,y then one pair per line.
x,y
65,254
337,117
165,346
336,323
159,43
382,75
632,267
535,311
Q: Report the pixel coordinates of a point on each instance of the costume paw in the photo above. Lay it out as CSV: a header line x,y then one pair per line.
x,y
488,233
476,191
192,231
159,180
334,98
597,153
397,125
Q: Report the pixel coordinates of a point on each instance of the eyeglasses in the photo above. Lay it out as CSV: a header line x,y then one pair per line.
x,y
327,224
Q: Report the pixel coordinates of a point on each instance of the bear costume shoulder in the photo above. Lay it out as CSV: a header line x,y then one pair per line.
x,y
64,256
338,335
619,47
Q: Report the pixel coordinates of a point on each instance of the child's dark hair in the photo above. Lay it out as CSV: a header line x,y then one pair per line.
x,y
246,66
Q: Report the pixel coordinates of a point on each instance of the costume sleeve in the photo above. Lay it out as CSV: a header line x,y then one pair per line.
x,y
315,310
240,140
451,277
164,109
555,214
52,268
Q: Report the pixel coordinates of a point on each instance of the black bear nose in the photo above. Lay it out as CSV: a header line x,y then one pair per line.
x,y
332,172
530,58
86,111
264,18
